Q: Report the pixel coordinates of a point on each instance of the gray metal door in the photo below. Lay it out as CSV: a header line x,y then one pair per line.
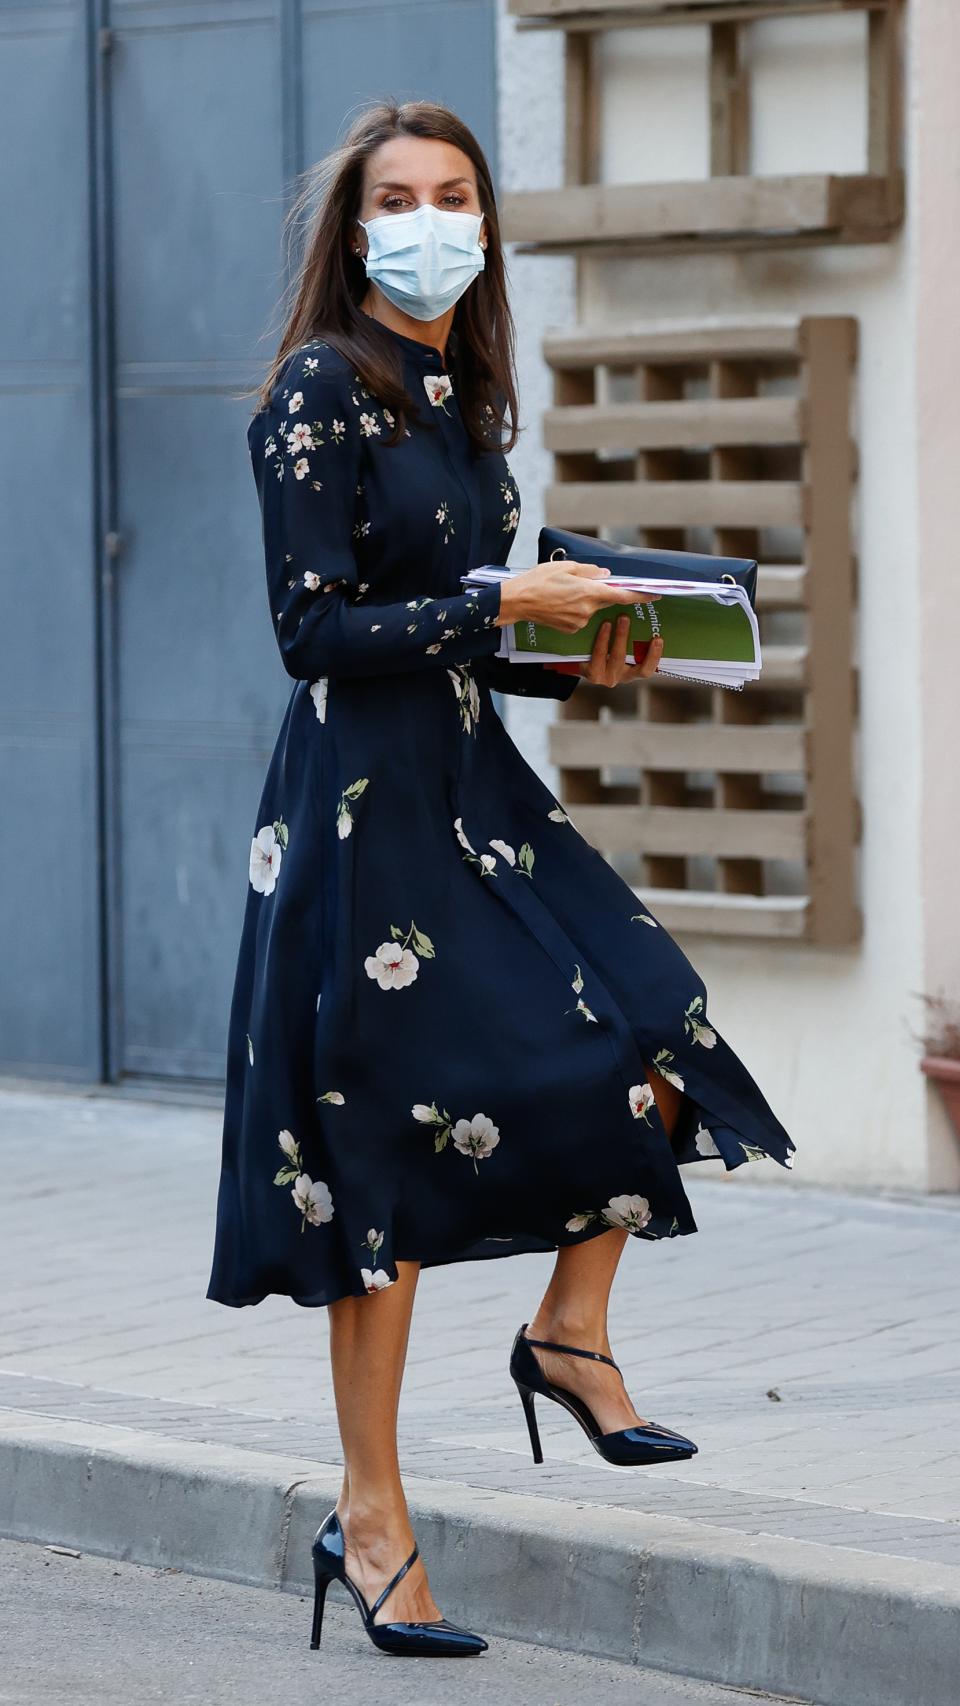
x,y
50,985
205,105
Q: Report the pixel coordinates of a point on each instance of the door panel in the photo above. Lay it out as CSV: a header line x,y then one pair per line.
x,y
141,689
49,898
197,147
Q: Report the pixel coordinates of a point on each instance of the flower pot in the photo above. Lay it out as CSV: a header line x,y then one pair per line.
x,y
946,1074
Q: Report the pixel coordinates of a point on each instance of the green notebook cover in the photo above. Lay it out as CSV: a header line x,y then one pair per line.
x,y
700,629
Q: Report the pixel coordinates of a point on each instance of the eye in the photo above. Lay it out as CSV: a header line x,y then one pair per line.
x,y
455,196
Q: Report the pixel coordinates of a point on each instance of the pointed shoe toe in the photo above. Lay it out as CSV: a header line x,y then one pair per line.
x,y
648,1444
645,1442
441,1638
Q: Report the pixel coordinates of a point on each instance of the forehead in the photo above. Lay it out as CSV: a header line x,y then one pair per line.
x,y
418,162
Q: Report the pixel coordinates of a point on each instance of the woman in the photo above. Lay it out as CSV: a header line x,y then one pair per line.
x,y
455,1034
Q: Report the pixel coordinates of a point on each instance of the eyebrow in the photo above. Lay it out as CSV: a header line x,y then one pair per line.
x,y
388,184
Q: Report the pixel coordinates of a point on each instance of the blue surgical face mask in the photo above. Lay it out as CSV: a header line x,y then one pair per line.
x,y
424,260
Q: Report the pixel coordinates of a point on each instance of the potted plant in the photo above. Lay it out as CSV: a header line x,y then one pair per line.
x,y
941,1057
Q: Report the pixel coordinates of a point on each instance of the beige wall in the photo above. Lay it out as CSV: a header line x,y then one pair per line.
x,y
829,1035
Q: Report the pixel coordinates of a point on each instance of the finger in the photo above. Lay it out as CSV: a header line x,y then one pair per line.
x,y
654,654
601,646
618,649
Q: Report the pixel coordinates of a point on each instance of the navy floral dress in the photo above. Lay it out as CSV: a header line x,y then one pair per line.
x,y
445,996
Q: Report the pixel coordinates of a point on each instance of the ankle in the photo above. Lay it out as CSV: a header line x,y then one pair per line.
x,y
366,1519
570,1327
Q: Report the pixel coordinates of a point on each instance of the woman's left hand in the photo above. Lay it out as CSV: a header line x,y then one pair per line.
x,y
607,664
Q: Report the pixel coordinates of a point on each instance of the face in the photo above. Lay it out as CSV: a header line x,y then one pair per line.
x,y
407,171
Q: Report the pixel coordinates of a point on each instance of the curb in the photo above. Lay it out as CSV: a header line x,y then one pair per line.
x,y
834,1626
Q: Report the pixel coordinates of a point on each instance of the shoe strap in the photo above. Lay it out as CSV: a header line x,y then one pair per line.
x,y
393,1582
571,1350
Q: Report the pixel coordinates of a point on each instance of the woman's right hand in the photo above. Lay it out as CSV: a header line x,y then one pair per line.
x,y
563,593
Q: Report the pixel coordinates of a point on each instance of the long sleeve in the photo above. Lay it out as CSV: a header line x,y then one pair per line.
x,y
308,471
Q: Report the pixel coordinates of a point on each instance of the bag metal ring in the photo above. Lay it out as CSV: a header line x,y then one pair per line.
x,y
558,551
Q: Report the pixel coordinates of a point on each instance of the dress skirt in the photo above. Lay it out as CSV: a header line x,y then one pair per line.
x,y
446,1000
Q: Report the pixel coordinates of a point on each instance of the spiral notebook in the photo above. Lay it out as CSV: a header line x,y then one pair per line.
x,y
709,629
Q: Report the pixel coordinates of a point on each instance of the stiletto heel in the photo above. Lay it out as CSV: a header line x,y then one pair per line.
x,y
445,1639
527,1399
321,1583
645,1442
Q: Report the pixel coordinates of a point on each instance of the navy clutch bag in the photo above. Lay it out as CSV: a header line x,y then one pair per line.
x,y
640,560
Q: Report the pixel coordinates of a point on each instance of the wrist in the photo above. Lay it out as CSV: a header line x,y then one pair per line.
x,y
510,607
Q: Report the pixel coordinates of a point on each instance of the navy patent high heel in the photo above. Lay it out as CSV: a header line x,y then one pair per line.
x,y
643,1443
446,1640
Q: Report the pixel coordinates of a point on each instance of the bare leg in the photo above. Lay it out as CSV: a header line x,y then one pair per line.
x,y
368,1348
573,1310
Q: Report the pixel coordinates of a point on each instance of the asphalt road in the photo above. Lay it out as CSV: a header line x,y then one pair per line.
x,y
87,1631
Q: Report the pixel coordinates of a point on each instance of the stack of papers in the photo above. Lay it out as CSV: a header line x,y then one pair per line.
x,y
709,628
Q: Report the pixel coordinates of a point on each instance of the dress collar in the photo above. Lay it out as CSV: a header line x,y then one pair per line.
x,y
427,355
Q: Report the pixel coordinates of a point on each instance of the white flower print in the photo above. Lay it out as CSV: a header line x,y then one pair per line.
x,y
318,693
643,918
369,426
249,1049
558,815
301,438
511,497
423,1113
393,967
701,1033
344,814
629,1212
486,861
581,1007
313,1199
468,694
375,1281
443,516
295,403
704,1142
439,387
661,1062
266,852
292,1159
311,580
578,1222
641,1100
395,964
335,1096
504,848
373,1241
477,1137
753,1152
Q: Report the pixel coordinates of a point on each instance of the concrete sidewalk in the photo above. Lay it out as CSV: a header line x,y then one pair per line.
x,y
807,1340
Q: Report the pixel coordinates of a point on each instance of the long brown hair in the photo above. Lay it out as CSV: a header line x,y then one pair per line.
x,y
329,281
